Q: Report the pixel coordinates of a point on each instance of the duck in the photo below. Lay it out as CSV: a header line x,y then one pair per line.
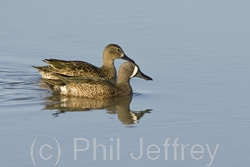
x,y
81,68
97,88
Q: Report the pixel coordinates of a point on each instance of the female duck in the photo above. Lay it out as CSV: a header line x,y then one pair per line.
x,y
81,68
98,88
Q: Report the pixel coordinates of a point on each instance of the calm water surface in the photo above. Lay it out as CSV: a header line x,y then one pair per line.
x,y
194,113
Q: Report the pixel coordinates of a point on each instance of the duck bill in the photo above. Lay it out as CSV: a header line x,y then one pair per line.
x,y
143,76
125,57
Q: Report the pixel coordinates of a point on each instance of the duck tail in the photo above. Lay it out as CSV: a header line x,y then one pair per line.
x,y
54,84
37,67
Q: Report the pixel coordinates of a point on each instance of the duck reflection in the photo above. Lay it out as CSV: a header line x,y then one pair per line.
x,y
117,105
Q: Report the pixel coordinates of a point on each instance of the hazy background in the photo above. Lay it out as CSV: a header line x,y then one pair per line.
x,y
196,51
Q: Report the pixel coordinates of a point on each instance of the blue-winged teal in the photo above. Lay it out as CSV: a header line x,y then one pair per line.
x,y
81,68
115,105
98,88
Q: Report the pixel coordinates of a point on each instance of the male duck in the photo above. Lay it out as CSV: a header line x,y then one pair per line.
x,y
81,68
98,88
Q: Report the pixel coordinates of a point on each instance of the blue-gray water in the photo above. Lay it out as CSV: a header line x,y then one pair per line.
x,y
197,52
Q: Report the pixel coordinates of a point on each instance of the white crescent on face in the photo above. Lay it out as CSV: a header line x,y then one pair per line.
x,y
134,72
134,117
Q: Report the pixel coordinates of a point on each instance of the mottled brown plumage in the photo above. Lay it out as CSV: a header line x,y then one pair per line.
x,y
81,68
98,88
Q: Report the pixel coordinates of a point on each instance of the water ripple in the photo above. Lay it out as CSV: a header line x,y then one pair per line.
x,y
18,86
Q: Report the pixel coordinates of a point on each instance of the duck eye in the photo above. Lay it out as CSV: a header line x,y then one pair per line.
x,y
118,49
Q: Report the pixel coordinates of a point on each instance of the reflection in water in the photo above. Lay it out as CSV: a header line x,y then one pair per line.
x,y
117,105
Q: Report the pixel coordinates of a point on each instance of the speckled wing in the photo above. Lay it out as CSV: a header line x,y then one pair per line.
x,y
77,79
75,68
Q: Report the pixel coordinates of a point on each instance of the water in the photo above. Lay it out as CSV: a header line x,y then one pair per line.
x,y
197,52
